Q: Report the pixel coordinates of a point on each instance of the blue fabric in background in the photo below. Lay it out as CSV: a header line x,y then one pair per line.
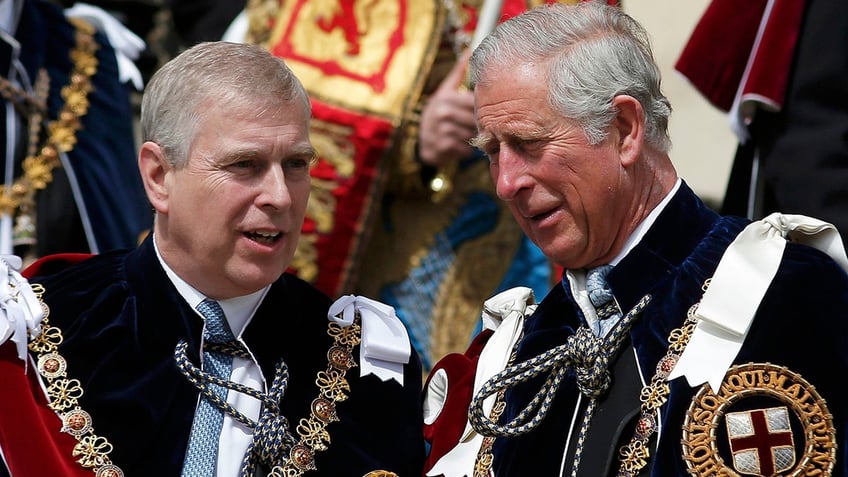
x,y
415,296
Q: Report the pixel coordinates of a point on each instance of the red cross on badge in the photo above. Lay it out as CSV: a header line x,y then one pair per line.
x,y
761,441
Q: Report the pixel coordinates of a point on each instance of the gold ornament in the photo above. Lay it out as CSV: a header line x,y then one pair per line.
x,y
19,199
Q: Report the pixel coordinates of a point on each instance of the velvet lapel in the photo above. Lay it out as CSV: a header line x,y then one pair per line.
x,y
121,329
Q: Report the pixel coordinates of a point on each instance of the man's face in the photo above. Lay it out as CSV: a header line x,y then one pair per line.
x,y
235,211
561,190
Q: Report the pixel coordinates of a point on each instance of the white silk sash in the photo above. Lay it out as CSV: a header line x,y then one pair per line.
x,y
504,313
736,289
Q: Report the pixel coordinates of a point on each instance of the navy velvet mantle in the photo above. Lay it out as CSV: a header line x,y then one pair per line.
x,y
103,161
801,324
122,317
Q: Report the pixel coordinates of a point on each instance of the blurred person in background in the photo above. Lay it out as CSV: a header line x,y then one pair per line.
x,y
70,178
778,69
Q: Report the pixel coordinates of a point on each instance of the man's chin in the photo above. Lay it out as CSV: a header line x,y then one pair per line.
x,y
251,277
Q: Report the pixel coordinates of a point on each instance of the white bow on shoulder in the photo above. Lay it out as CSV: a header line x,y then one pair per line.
x,y
20,311
385,344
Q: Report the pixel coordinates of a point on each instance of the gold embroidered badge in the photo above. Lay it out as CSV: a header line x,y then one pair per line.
x,y
765,420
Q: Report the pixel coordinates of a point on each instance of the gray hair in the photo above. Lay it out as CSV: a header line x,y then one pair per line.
x,y
211,73
594,52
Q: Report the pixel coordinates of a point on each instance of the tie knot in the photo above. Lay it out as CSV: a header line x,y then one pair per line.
x,y
597,287
217,328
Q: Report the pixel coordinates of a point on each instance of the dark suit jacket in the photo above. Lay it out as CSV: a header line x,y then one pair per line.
x,y
122,317
801,324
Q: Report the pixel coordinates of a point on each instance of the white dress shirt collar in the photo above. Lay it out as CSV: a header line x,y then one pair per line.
x,y
577,278
238,310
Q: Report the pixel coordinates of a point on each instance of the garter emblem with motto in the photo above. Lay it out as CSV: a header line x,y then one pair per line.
x,y
765,421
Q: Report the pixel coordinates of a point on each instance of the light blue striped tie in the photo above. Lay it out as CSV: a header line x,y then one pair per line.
x,y
202,455
601,297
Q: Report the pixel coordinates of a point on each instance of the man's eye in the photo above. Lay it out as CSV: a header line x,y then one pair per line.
x,y
242,164
297,168
490,151
296,164
530,145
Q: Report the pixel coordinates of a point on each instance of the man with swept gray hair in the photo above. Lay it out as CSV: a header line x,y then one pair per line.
x,y
657,288
196,354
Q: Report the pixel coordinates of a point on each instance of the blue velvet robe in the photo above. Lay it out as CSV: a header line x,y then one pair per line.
x,y
104,190
122,317
802,324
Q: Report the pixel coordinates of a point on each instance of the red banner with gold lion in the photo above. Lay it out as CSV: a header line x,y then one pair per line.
x,y
364,64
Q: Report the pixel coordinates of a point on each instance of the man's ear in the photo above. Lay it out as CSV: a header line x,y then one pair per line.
x,y
154,168
629,124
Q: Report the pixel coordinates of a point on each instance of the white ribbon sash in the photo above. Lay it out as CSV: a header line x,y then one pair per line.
x,y
504,313
743,275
